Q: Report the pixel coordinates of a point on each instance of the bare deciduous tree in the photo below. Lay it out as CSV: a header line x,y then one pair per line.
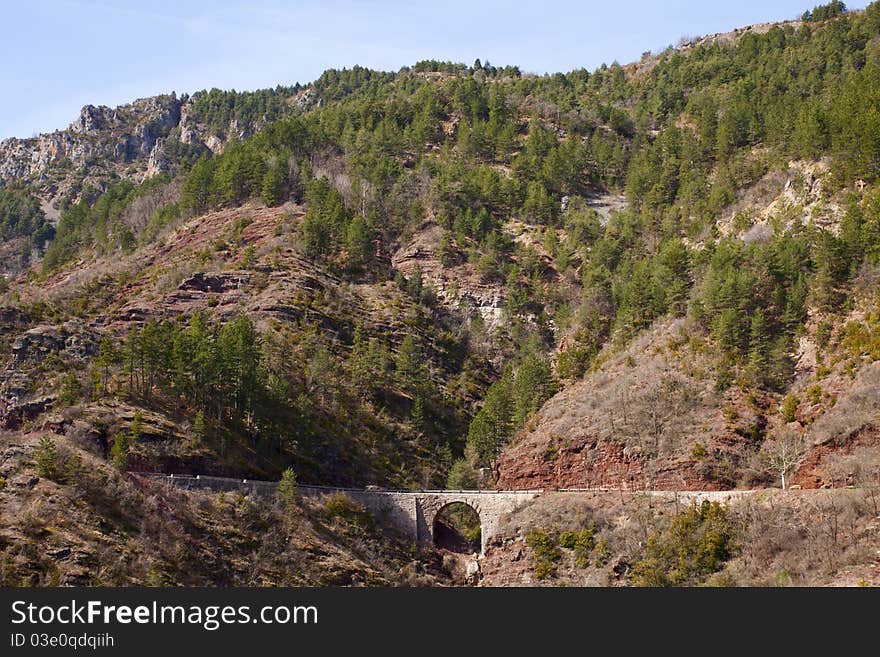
x,y
783,453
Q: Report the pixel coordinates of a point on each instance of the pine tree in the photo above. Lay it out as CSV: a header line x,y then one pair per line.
x,y
249,258
462,476
824,292
196,192
379,362
538,206
119,451
851,233
199,429
71,390
493,425
417,416
446,251
359,245
271,188
287,488
46,457
367,365
759,347
408,364
238,352
532,385
108,356
672,276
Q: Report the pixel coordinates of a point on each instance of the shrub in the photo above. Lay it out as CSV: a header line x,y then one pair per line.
x,y
582,542
602,553
823,333
119,451
545,570
199,430
546,552
72,468
71,390
696,544
543,544
574,362
789,407
249,259
340,505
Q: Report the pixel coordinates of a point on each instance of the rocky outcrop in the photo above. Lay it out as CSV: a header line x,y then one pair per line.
x,y
587,462
11,318
35,345
157,162
119,135
28,159
456,287
22,396
91,119
216,282
103,143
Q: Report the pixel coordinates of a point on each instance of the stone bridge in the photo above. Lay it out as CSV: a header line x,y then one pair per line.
x,y
411,512
415,512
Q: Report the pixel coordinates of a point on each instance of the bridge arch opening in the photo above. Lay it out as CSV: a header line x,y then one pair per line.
x,y
457,528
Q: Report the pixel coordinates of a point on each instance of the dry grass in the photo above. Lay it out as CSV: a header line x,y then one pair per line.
x,y
781,538
857,409
107,529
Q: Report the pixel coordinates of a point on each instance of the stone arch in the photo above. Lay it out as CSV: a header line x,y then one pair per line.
x,y
443,504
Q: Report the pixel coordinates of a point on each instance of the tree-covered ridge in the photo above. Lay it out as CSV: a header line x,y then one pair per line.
x,y
22,216
825,12
116,220
368,410
475,150
218,109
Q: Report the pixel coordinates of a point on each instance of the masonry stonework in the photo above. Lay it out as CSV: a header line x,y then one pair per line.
x,y
412,513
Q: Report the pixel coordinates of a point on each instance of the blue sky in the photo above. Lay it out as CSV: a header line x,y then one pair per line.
x,y
59,55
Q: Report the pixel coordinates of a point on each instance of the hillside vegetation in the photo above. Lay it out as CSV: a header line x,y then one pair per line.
x,y
658,275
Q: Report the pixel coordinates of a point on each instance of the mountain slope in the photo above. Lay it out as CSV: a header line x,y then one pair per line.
x,y
659,275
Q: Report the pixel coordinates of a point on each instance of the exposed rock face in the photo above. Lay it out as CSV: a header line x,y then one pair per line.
x,y
103,143
11,317
141,124
21,393
455,286
214,143
29,158
188,134
127,133
798,186
34,345
841,439
305,99
157,162
91,119
219,282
